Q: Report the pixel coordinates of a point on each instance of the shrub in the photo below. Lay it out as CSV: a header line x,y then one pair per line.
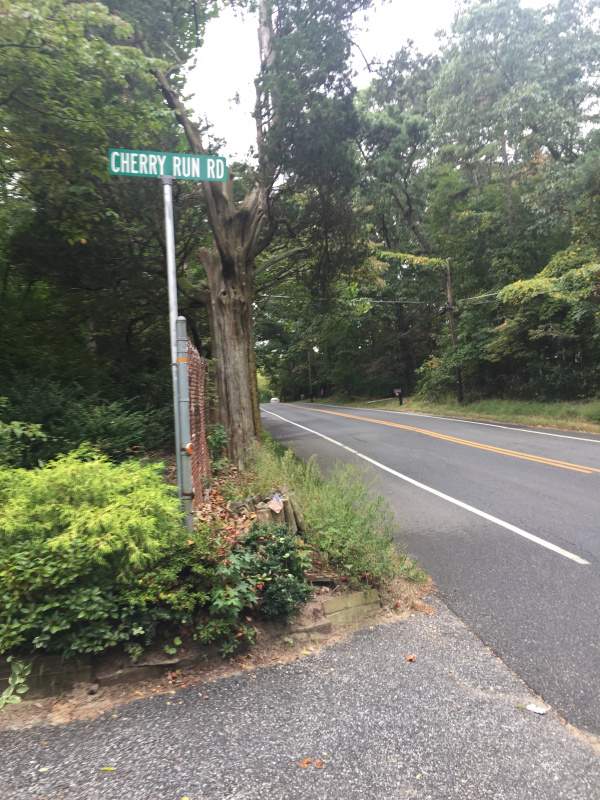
x,y
284,565
15,437
69,418
92,554
209,582
69,532
216,438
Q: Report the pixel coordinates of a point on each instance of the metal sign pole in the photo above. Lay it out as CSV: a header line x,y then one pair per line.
x,y
167,182
184,423
166,166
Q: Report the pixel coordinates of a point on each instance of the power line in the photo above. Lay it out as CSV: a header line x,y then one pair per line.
x,y
391,302
369,299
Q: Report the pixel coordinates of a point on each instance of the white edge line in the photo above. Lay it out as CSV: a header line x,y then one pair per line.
x,y
453,500
471,422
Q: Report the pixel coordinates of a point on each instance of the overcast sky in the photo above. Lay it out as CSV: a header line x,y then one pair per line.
x,y
228,61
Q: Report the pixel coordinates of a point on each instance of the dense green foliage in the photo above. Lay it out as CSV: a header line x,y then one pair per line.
x,y
67,532
92,555
487,155
61,417
204,585
16,437
283,564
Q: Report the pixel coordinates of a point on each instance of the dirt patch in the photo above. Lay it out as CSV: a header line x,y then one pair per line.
x,y
276,643
589,738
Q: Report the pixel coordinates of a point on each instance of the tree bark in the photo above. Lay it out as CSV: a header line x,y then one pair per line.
x,y
229,268
459,385
507,183
232,339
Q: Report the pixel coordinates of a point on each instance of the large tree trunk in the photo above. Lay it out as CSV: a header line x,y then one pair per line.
x,y
231,324
507,184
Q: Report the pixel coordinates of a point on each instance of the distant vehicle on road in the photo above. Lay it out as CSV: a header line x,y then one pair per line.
x,y
275,400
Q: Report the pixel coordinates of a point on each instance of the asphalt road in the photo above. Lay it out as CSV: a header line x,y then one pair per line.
x,y
505,519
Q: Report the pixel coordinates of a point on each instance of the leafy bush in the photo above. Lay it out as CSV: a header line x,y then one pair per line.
x,y
69,418
92,554
69,533
284,565
171,592
15,437
57,602
216,438
437,379
17,683
207,583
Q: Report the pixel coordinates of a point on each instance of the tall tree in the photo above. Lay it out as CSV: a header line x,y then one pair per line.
x,y
302,94
71,75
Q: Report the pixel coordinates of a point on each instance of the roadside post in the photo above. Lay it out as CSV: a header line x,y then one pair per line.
x,y
167,167
186,448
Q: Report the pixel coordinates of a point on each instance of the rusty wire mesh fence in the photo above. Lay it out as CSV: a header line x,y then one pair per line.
x,y
198,368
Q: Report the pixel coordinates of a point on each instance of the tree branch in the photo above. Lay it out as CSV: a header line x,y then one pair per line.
x,y
276,259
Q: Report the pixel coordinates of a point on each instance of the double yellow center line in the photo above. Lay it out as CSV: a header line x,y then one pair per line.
x,y
551,462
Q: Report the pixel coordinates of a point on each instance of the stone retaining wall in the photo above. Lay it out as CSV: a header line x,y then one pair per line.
x,y
51,676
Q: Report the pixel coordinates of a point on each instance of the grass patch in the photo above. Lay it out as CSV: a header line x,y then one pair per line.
x,y
574,416
351,528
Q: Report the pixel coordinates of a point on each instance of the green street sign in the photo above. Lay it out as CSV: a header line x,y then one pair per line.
x,y
145,164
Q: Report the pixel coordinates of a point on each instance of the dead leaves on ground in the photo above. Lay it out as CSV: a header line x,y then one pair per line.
x,y
315,762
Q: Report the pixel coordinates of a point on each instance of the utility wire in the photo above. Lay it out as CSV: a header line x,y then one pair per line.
x,y
392,302
370,300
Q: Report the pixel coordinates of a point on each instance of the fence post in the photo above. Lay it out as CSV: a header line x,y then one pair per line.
x,y
167,183
185,433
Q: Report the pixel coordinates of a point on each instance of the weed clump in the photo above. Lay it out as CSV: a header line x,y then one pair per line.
x,y
351,528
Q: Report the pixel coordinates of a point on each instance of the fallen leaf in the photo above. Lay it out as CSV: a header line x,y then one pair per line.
x,y
305,762
306,652
189,541
206,697
398,604
418,776
411,658
319,764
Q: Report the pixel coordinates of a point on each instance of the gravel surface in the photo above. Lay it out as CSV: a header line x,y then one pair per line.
x,y
384,728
